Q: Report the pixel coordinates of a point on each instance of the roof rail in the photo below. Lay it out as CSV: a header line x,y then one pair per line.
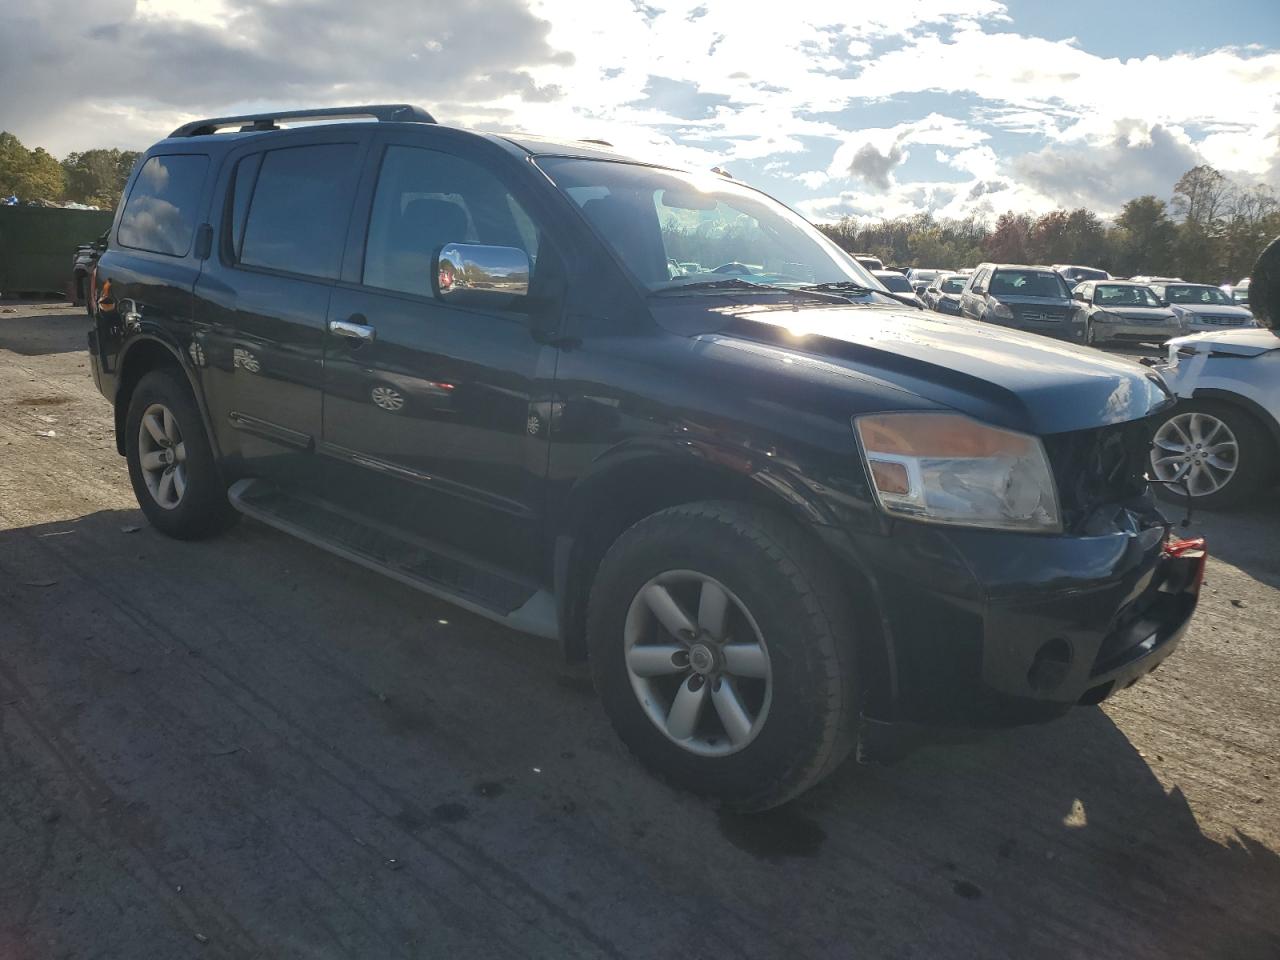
x,y
382,112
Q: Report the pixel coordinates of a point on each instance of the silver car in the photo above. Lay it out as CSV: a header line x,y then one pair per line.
x,y
1203,307
1119,311
1221,442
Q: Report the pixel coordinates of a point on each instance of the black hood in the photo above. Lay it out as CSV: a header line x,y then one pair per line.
x,y
1020,380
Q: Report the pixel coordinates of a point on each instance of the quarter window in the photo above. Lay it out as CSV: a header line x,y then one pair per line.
x,y
297,216
160,214
426,199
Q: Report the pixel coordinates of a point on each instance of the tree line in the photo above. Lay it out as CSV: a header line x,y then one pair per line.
x,y
93,177
1210,231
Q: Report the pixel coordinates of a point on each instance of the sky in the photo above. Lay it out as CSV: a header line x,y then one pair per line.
x,y
957,107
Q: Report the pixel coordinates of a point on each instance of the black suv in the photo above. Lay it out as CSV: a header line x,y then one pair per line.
x,y
1035,299
778,514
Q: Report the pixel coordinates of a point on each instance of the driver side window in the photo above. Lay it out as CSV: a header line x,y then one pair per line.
x,y
426,199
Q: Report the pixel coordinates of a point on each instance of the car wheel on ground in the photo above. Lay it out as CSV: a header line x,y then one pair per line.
x,y
1214,451
715,644
171,463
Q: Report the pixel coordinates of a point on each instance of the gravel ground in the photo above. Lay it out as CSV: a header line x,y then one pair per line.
x,y
248,748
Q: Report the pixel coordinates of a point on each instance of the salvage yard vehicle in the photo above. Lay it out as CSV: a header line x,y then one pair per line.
x,y
1035,299
943,294
1119,311
1202,307
1220,445
777,514
1075,275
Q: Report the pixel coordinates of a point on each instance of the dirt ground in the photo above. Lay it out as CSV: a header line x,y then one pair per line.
x,y
249,748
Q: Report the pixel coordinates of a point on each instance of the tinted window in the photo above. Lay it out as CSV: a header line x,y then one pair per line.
x,y
1116,294
1190,293
297,218
160,214
1028,283
241,192
894,281
426,199
980,281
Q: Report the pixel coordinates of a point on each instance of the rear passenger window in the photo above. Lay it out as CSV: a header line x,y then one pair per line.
x,y
426,199
297,215
160,214
241,193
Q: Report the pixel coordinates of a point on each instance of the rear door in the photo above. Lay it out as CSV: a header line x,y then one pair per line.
x,y
437,420
263,298
145,280
973,298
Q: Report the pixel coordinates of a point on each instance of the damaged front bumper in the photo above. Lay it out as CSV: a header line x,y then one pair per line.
x,y
988,629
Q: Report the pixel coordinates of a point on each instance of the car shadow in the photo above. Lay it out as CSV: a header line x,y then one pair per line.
x,y
42,328
271,726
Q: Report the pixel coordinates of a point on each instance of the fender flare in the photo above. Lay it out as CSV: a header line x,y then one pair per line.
x,y
1268,420
183,361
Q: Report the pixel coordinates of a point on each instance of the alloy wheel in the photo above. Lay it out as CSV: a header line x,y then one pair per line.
x,y
1197,449
387,398
704,679
162,456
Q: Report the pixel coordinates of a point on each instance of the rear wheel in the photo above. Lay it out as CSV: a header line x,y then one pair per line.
x,y
720,645
1214,452
171,463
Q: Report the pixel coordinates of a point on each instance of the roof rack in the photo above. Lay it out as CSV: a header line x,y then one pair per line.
x,y
382,112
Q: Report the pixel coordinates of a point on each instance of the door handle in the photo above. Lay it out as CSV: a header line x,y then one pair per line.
x,y
360,332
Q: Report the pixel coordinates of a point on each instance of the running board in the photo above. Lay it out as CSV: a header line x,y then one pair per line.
x,y
421,564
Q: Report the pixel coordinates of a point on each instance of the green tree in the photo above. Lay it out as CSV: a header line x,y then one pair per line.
x,y
98,176
1202,198
1008,242
28,174
1049,239
1142,240
1250,221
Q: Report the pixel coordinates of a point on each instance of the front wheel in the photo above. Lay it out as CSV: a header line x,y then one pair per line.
x,y
1214,452
721,646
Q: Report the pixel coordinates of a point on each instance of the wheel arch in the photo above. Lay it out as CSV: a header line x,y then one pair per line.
x,y
1270,426
602,505
142,355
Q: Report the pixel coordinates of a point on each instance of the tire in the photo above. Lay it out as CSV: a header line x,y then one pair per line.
x,y
200,508
802,721
1254,456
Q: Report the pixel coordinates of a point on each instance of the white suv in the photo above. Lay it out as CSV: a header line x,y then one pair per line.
x,y
1221,443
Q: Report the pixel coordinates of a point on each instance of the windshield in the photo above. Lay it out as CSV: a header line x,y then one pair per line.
x,y
953,285
895,282
674,229
1119,295
1195,293
1028,283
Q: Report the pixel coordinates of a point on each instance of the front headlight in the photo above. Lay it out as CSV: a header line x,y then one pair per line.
x,y
948,468
1102,316
1000,310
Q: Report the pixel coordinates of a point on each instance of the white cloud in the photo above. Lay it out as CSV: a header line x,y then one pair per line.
x,y
1021,121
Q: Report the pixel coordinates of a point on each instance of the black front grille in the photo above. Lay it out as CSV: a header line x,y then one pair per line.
x,y
1100,467
1030,314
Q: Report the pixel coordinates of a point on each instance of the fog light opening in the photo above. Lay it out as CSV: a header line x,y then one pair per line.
x,y
1051,665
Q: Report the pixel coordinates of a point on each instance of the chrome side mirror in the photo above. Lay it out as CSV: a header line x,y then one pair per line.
x,y
467,272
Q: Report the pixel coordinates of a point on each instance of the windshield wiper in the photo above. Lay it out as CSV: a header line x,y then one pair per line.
x,y
737,283
843,286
